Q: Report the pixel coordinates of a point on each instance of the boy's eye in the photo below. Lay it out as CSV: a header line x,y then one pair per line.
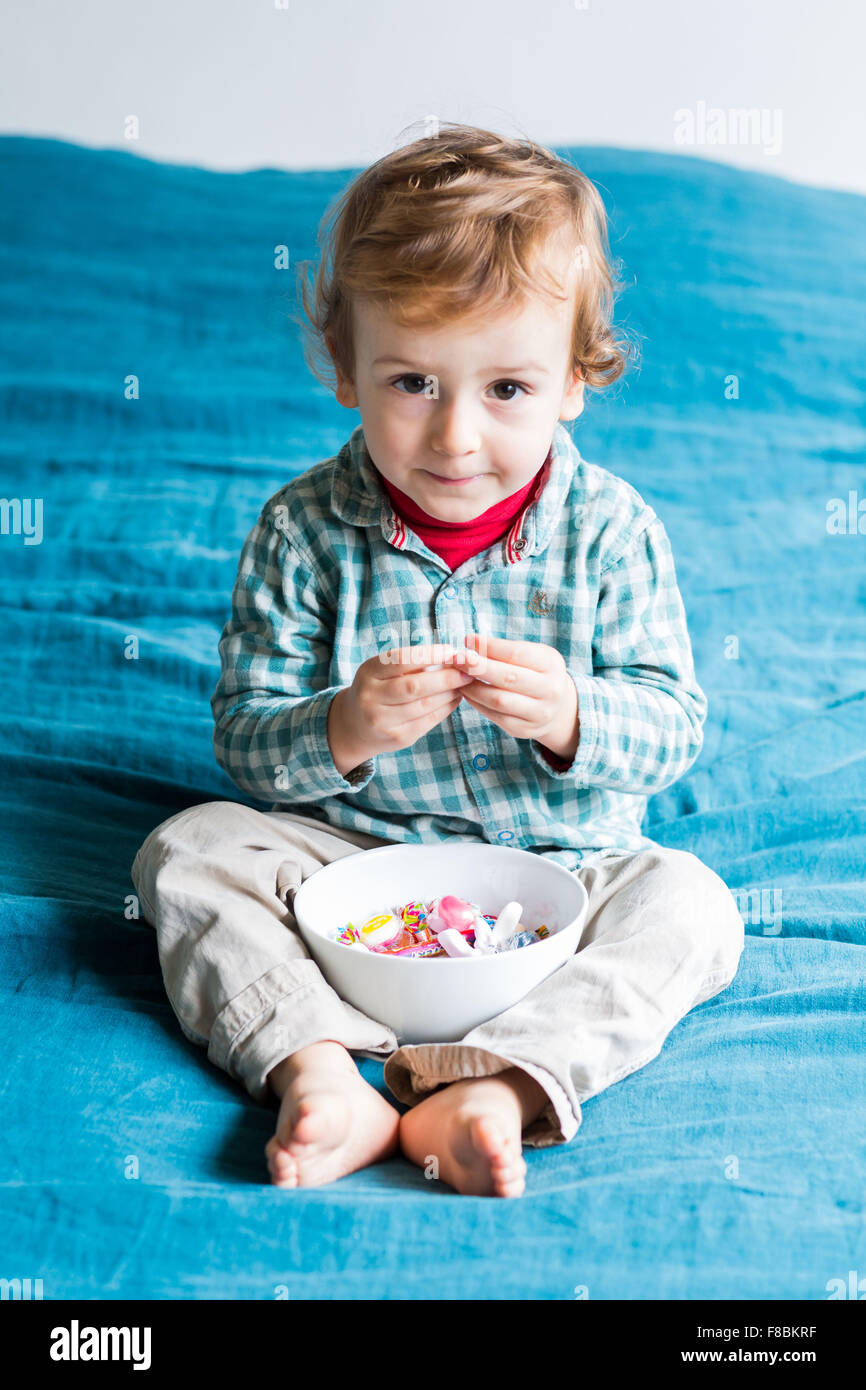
x,y
509,385
419,383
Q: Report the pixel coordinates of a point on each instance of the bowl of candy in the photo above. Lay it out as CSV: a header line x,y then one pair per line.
x,y
434,939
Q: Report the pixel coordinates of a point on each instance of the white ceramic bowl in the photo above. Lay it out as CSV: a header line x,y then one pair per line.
x,y
435,999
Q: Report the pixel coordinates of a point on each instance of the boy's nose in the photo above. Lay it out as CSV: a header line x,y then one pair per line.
x,y
454,439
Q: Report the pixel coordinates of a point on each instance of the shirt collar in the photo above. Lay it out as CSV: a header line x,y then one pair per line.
x,y
357,496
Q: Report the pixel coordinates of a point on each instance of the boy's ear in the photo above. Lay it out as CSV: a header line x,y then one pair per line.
x,y
572,401
345,392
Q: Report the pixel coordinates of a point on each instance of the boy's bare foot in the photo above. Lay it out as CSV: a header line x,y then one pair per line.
x,y
473,1129
331,1120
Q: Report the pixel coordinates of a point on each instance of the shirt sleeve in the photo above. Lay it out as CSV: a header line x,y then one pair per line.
x,y
271,703
641,712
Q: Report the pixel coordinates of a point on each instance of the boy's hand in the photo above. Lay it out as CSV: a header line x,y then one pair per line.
x,y
393,701
525,688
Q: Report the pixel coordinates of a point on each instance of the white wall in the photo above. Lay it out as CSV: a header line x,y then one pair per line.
x,y
236,84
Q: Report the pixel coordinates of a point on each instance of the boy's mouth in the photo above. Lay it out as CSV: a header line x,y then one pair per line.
x,y
453,482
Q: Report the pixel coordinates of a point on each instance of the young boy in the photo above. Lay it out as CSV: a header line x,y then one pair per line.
x,y
456,627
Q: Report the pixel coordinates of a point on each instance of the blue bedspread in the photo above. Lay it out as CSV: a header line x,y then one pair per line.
x,y
730,1166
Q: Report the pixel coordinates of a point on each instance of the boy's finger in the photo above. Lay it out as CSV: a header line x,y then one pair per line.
x,y
505,649
507,675
520,706
424,684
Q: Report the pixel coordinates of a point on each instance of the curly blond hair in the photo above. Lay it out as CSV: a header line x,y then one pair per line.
x,y
446,227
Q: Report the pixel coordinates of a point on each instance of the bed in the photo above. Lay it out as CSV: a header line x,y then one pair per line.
x,y
153,395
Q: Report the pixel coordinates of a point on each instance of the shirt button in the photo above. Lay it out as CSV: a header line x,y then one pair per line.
x,y
450,591
520,544
481,761
505,835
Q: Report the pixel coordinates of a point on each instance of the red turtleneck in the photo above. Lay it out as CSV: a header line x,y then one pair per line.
x,y
456,541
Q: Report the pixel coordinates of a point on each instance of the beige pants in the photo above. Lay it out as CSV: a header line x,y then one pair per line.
x,y
662,934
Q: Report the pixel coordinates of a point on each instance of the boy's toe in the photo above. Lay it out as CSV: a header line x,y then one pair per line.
x,y
284,1171
281,1165
513,1188
489,1139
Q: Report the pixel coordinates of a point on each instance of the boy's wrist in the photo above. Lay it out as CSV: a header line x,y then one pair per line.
x,y
347,755
564,735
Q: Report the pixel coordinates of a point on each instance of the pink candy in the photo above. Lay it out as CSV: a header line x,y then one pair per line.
x,y
451,912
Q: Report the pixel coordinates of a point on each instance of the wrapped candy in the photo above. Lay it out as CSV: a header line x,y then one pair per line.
x,y
421,948
520,938
413,914
506,924
455,942
376,931
451,913
349,936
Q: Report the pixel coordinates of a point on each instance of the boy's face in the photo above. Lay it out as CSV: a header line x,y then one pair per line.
x,y
477,403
